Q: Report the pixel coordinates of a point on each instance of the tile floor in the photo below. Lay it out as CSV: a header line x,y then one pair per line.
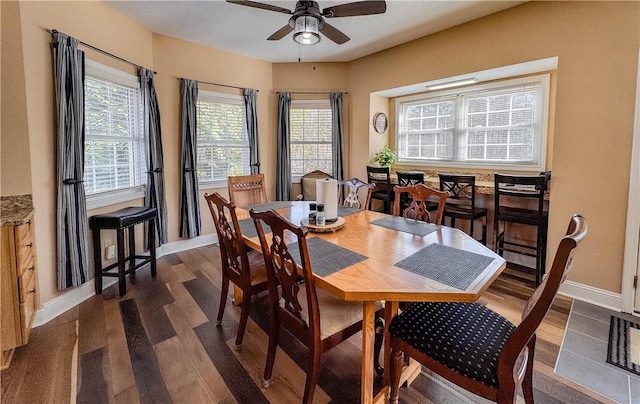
x,y
583,355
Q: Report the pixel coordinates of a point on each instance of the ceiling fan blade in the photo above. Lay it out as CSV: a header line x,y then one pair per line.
x,y
263,6
357,8
334,34
281,33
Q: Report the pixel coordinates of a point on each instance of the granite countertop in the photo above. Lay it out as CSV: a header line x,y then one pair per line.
x,y
15,209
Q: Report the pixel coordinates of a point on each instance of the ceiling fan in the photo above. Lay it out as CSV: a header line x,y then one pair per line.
x,y
307,21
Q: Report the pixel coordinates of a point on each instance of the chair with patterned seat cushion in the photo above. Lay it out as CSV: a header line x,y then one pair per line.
x,y
474,347
318,319
239,265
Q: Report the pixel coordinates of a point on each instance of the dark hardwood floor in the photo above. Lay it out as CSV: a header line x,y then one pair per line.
x,y
159,344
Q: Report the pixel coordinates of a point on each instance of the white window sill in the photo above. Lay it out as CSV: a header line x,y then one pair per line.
x,y
205,185
535,167
102,199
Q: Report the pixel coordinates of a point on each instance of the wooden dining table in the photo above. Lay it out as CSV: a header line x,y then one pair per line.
x,y
378,278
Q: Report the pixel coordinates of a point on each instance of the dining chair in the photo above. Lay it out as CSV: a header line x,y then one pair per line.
x,y
352,198
381,176
244,267
318,319
513,194
405,179
308,185
245,190
421,196
462,203
474,347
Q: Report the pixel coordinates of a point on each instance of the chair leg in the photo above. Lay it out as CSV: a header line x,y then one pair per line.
x,y
223,299
527,382
271,350
396,370
377,346
244,316
471,222
313,368
484,231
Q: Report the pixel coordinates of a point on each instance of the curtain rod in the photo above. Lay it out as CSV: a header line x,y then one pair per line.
x,y
215,84
312,92
55,32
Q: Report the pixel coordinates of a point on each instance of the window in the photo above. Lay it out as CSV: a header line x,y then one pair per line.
x,y
498,125
311,137
222,138
114,155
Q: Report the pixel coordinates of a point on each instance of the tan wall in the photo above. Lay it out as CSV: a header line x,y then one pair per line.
x,y
16,162
597,45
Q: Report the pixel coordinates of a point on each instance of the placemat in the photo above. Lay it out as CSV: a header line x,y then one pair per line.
x,y
448,265
326,258
346,211
412,226
263,207
624,335
248,228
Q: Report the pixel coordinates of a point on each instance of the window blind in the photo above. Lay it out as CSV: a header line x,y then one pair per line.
x,y
223,141
311,135
114,136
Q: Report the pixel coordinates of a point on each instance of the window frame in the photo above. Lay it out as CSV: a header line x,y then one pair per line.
x,y
541,126
112,197
308,104
216,97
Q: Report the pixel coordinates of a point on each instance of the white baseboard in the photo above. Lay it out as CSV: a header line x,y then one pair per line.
x,y
589,294
60,304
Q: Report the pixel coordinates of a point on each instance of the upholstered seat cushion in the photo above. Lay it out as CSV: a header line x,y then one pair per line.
x,y
335,314
465,337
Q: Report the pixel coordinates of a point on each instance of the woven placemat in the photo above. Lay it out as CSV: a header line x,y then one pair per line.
x,y
346,211
412,226
326,258
448,265
248,228
623,334
263,207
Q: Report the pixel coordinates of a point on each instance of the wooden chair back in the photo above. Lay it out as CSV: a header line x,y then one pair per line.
x,y
462,188
408,178
421,195
233,250
352,198
245,190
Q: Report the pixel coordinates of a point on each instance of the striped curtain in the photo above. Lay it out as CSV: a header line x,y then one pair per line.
x,y
155,196
189,206
252,129
72,233
283,168
336,139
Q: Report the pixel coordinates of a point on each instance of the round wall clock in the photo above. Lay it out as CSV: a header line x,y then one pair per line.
x,y
380,122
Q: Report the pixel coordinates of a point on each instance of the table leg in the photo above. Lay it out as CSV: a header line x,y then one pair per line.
x,y
390,311
368,337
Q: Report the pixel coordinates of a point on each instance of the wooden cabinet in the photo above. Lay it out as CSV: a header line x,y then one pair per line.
x,y
18,281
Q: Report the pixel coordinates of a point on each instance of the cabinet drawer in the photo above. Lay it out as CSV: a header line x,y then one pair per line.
x,y
26,284
28,310
24,231
24,253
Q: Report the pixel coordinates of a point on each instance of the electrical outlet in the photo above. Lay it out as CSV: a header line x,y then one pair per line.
x,y
110,252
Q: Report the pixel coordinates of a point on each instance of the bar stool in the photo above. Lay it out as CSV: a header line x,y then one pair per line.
x,y
462,204
512,194
120,220
381,176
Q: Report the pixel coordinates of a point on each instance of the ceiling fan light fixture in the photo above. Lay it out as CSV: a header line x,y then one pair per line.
x,y
306,30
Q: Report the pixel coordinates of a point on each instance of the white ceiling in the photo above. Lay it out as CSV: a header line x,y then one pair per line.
x,y
244,30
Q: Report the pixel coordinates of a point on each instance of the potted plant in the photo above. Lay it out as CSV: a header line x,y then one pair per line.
x,y
385,157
